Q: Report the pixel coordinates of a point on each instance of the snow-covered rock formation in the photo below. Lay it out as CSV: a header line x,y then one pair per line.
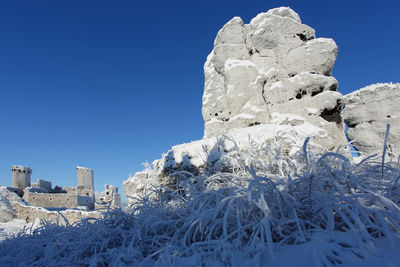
x,y
8,201
367,113
272,65
264,81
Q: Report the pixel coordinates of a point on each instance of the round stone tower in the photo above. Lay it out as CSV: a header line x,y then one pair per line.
x,y
21,176
85,177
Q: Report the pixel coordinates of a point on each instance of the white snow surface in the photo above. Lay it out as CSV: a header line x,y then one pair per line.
x,y
281,123
303,255
12,228
373,87
312,110
370,89
382,253
231,63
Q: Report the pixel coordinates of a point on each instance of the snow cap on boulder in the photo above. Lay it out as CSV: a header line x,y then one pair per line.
x,y
367,112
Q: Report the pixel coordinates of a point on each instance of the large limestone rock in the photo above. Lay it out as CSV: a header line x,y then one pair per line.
x,y
272,65
268,85
367,113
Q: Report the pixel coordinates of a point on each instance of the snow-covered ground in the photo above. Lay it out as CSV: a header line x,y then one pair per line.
x,y
12,228
305,209
304,255
381,254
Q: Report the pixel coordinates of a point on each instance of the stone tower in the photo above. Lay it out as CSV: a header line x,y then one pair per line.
x,y
85,177
21,176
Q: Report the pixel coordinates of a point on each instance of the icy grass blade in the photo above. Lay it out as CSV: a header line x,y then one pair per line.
x,y
385,147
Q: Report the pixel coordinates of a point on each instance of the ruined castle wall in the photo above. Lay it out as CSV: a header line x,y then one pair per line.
x,y
21,176
30,214
79,191
44,184
85,177
51,200
85,201
110,197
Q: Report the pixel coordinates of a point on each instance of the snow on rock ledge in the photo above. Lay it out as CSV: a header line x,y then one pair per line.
x,y
274,64
219,153
367,112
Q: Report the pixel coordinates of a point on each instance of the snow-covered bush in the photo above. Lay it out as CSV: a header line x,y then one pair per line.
x,y
254,202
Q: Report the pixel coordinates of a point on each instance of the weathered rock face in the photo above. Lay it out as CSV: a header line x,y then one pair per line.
x,y
272,65
367,112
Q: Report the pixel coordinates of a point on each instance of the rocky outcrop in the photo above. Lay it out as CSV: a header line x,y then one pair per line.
x,y
272,65
367,113
8,201
266,80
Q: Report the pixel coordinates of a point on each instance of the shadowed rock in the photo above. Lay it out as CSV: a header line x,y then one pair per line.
x,y
367,112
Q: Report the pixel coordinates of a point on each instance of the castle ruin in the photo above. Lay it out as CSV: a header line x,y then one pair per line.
x,y
21,177
85,177
42,194
109,198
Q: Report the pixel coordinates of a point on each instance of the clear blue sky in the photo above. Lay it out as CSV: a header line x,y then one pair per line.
x,y
111,84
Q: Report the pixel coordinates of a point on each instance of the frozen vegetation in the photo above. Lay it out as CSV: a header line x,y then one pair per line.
x,y
262,207
264,195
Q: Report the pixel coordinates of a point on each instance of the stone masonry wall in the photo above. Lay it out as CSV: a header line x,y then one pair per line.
x,y
30,214
79,191
51,200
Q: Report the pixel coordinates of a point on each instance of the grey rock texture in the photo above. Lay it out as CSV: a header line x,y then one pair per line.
x,y
367,112
8,201
272,65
